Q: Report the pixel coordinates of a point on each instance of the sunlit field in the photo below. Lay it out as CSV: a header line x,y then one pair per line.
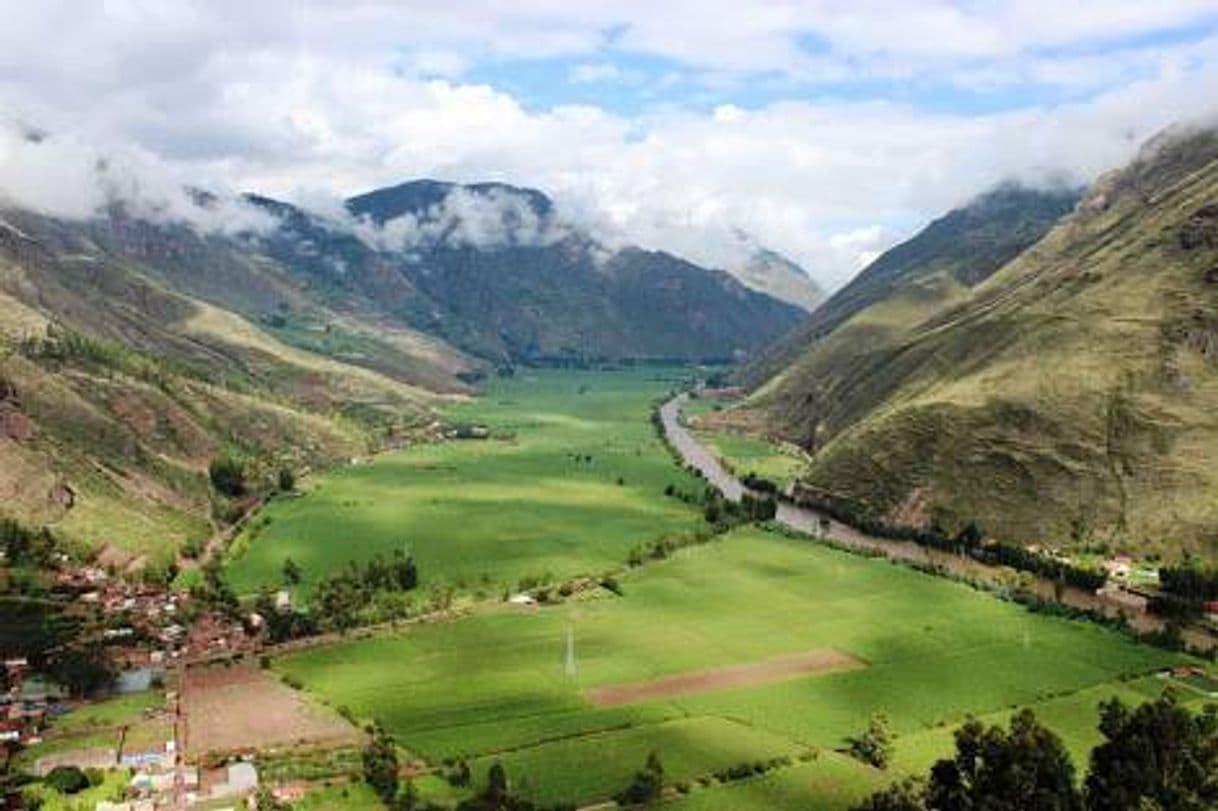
x,y
503,684
572,477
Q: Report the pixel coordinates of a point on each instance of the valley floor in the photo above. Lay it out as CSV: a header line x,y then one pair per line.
x,y
500,686
746,663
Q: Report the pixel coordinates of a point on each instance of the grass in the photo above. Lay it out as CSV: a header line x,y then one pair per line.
x,y
572,480
829,783
588,768
111,789
117,711
936,651
28,756
745,454
350,797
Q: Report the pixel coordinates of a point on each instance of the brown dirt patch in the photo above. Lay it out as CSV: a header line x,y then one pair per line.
x,y
240,708
810,663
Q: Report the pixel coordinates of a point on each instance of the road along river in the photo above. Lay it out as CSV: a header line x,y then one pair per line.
x,y
810,522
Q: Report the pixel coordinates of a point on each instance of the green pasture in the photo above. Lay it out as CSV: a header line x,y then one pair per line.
x,y
495,685
111,712
589,768
830,783
745,454
571,479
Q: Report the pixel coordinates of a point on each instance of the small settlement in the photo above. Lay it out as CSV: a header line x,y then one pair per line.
x,y
150,632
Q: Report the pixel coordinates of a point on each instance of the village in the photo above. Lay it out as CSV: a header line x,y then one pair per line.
x,y
128,740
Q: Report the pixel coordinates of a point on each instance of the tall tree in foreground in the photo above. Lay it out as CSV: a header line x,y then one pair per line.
x,y
1159,756
1025,768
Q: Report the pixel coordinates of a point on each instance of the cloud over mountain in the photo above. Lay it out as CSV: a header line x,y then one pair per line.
x,y
804,124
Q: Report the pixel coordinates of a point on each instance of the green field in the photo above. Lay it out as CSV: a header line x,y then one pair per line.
x,y
745,454
741,452
494,685
572,479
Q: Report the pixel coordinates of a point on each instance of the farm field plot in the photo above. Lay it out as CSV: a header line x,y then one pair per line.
x,y
237,708
499,685
571,479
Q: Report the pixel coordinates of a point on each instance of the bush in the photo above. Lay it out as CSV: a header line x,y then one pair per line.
x,y
67,779
874,746
227,474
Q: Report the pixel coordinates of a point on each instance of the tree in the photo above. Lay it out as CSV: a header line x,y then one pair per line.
x,y
497,787
84,667
227,475
1159,756
874,746
67,779
380,760
1025,769
408,800
404,570
291,572
647,786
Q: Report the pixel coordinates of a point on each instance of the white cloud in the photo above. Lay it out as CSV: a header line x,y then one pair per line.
x,y
494,218
58,176
315,100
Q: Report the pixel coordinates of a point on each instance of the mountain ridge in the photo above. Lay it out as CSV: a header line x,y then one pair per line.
x,y
1064,399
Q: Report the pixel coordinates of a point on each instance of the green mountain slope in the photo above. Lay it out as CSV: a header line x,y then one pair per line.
x,y
1069,396
953,253
117,387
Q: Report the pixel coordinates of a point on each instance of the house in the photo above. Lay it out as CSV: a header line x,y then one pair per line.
x,y
1210,609
240,778
283,601
522,599
724,393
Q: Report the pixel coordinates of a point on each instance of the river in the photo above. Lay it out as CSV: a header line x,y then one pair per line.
x,y
810,522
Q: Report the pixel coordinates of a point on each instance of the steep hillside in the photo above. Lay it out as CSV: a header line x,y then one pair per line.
x,y
942,261
772,273
492,269
1069,397
117,388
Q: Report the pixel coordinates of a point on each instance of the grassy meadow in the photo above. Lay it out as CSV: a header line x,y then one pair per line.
x,y
741,452
495,685
571,479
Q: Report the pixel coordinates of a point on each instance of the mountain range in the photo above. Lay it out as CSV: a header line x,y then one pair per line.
x,y
1049,377
134,350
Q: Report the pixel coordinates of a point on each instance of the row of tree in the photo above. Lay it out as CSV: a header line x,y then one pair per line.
x,y
1157,757
969,540
1184,590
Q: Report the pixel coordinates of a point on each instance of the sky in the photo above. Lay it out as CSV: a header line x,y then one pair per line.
x,y
827,130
